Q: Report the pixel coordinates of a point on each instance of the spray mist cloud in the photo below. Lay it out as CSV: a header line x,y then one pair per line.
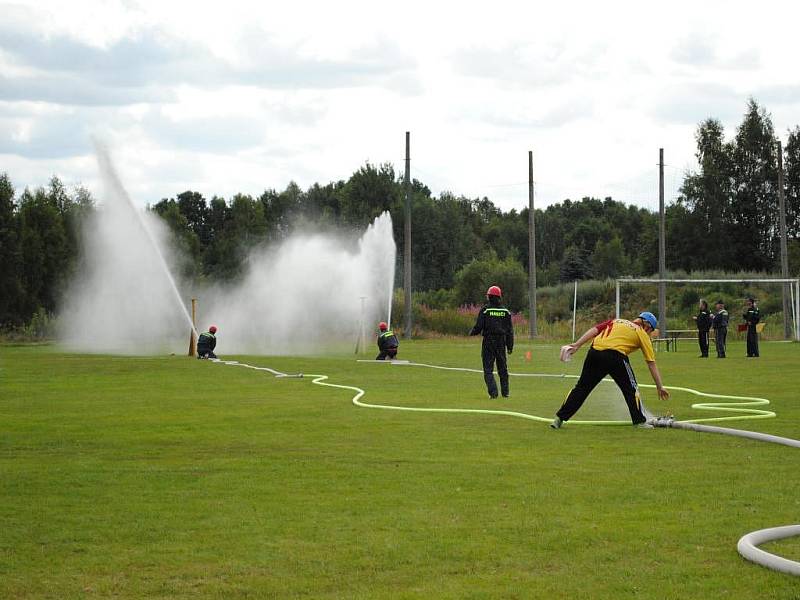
x,y
306,294
312,293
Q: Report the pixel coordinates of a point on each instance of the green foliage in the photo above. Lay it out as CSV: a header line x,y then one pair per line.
x,y
42,326
793,248
731,220
11,298
438,299
791,165
574,265
472,281
46,260
447,321
369,191
690,298
609,259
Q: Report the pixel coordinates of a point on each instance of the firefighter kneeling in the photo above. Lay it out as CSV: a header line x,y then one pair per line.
x,y
206,343
387,343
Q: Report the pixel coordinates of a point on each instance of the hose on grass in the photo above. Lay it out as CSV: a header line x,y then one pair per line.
x,y
739,406
748,548
747,545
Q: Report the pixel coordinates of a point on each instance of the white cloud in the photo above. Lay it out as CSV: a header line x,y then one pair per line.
x,y
248,96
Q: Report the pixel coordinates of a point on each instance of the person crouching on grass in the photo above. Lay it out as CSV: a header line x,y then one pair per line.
x,y
206,343
612,342
387,343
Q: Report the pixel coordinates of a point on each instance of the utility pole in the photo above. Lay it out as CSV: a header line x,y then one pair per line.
x,y
787,329
662,269
531,253
407,253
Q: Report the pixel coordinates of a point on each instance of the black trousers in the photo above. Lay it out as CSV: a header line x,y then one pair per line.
x,y
702,339
597,365
206,353
720,336
493,350
388,352
752,341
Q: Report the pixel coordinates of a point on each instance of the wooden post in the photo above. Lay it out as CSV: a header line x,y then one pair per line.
x,y
407,251
662,259
532,332
787,326
192,340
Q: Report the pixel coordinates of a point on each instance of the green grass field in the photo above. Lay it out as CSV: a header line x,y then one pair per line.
x,y
168,477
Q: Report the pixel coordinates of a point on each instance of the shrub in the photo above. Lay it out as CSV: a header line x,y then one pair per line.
x,y
449,321
436,298
474,279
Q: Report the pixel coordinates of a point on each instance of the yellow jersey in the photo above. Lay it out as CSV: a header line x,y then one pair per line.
x,y
624,337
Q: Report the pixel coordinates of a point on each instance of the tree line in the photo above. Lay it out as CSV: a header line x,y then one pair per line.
x,y
725,218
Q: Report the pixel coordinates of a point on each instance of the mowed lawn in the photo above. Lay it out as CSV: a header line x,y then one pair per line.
x,y
168,477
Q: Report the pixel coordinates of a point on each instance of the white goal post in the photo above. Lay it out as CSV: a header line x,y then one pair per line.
x,y
794,287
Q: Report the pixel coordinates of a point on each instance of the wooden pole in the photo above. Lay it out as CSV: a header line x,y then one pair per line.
x,y
662,269
787,327
531,253
407,254
192,340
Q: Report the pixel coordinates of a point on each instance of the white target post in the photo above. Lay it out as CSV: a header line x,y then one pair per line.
x,y
363,333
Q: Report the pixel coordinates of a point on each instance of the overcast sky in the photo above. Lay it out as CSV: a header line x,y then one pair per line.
x,y
233,96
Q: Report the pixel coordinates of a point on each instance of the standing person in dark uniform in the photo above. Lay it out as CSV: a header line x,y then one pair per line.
x,y
703,319
752,317
387,343
494,322
720,325
206,343
612,342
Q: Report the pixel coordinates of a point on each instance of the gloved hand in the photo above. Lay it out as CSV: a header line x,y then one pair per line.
x,y
511,351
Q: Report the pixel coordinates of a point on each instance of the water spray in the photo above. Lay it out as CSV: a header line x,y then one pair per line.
x,y
309,293
104,161
298,295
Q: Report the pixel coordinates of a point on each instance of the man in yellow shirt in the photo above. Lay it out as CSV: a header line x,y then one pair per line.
x,y
612,342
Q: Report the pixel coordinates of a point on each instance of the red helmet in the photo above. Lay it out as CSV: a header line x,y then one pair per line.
x,y
212,329
494,291
383,326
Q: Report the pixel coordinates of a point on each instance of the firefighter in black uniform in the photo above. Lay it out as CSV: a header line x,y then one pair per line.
x,y
494,322
752,317
720,325
206,343
703,319
387,343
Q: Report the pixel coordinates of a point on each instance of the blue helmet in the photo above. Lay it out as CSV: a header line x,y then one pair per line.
x,y
650,318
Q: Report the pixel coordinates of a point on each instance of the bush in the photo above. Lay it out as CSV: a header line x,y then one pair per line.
x,y
474,279
449,321
438,299
42,326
